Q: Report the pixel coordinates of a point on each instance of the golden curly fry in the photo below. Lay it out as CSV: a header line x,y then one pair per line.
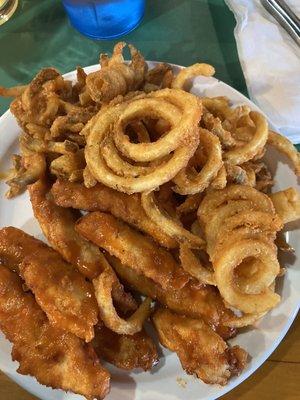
x,y
287,204
103,290
190,72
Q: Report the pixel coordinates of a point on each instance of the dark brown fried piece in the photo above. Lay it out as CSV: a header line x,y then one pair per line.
x,y
201,351
132,248
101,198
54,357
125,351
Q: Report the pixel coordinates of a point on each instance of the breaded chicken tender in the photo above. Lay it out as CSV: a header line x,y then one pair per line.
x,y
201,351
56,358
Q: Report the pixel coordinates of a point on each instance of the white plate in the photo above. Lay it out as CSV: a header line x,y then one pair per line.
x,y
162,382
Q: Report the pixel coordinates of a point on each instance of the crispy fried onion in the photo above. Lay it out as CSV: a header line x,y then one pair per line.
x,y
166,156
287,204
188,180
283,145
103,285
115,77
180,81
228,261
193,266
240,227
246,152
168,224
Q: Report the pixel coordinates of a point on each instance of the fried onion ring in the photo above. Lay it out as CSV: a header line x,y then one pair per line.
x,y
250,149
191,183
170,226
283,145
225,265
198,69
103,286
193,266
130,180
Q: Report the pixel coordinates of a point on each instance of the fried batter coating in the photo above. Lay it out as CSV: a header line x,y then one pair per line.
x,y
54,357
132,248
58,225
200,350
115,77
61,291
196,301
15,245
102,198
125,351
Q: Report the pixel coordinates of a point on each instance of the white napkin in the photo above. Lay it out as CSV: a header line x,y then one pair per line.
x,y
270,60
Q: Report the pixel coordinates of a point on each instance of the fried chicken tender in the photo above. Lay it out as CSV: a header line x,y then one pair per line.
x,y
61,291
132,248
115,77
200,350
102,198
125,351
15,245
144,258
58,225
54,357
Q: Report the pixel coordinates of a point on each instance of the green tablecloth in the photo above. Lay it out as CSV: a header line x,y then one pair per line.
x,y
178,31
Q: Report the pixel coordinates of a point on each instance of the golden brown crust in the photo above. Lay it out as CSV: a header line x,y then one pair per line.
x,y
102,198
125,351
201,351
60,360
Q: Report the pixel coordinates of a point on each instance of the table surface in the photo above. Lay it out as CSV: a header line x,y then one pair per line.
x,y
176,31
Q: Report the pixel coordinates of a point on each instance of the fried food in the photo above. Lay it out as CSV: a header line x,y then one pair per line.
x,y
103,290
132,248
196,301
170,152
200,350
54,357
125,351
61,291
283,145
287,204
250,149
26,170
188,180
58,225
193,266
186,74
115,77
101,198
242,249
15,245
167,224
175,192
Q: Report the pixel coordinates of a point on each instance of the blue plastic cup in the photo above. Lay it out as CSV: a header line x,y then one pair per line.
x,y
104,19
